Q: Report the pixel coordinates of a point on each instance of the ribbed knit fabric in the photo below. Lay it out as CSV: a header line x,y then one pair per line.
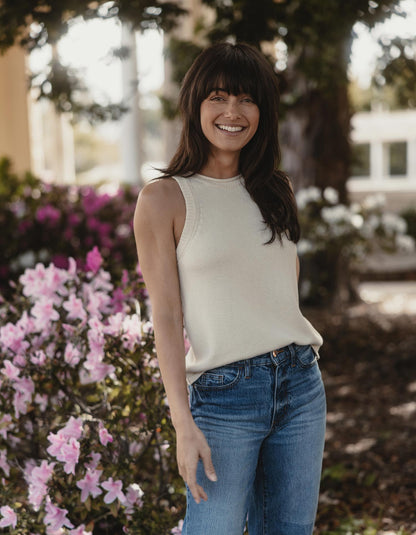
x,y
239,297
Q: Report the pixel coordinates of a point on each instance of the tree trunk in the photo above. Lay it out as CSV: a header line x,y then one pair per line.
x,y
314,136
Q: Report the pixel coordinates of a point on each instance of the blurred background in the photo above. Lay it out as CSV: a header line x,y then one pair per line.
x,y
88,95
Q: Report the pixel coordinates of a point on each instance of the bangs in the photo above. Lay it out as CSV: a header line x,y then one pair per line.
x,y
235,73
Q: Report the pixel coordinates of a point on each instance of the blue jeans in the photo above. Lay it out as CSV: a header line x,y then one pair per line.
x,y
264,420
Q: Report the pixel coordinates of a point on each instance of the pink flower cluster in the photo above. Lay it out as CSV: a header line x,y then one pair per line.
x,y
63,335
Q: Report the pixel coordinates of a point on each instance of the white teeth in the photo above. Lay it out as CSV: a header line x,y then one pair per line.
x,y
230,128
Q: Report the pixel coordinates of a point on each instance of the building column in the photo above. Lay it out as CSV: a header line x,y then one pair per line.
x,y
377,161
411,159
14,123
132,136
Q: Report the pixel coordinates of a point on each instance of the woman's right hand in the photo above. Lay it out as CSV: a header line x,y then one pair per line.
x,y
191,445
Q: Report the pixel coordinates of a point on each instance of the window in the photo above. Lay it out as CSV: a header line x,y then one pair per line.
x,y
398,158
360,164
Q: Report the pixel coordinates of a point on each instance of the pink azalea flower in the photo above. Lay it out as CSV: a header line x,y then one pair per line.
x,y
10,371
134,495
72,268
96,371
95,459
44,313
94,260
39,358
178,529
42,401
12,338
5,425
23,396
25,323
89,484
115,324
118,299
131,331
73,428
105,436
48,213
101,281
57,440
43,283
19,361
69,455
113,489
37,478
75,308
9,517
33,280
97,303
55,517
3,462
42,473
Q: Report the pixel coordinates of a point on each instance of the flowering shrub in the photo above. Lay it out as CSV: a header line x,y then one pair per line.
x,y
85,439
42,222
336,238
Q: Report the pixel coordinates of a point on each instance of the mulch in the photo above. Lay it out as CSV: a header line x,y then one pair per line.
x,y
368,363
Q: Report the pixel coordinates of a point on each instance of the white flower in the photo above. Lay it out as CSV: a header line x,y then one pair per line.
x,y
393,223
307,195
26,259
371,202
123,230
405,243
336,214
357,220
331,195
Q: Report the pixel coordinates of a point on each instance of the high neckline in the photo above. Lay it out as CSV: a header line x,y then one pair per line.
x,y
218,180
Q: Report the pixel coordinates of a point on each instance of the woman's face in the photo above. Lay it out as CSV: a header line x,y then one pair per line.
x,y
228,121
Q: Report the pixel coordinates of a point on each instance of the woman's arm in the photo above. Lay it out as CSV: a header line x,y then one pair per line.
x,y
297,267
153,229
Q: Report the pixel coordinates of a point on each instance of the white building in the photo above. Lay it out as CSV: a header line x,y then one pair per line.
x,y
384,157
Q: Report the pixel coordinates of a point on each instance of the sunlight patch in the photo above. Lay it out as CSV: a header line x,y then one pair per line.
x,y
405,410
360,446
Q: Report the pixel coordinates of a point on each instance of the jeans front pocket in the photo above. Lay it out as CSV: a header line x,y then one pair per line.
x,y
306,356
218,378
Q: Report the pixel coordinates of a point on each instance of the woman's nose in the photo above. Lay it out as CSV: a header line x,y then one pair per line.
x,y
232,109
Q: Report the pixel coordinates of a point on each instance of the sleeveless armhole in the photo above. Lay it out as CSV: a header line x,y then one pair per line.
x,y
191,215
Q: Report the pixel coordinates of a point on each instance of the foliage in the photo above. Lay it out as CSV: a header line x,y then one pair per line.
x,y
395,74
409,216
86,444
42,22
43,222
337,237
310,47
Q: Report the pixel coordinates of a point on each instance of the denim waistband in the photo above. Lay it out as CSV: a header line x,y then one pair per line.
x,y
274,356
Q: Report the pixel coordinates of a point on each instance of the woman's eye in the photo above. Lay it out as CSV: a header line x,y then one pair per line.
x,y
216,98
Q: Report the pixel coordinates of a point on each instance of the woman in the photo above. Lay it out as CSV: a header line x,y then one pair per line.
x,y
216,239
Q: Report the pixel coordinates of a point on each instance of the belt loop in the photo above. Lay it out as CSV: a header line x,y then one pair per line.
x,y
292,350
247,369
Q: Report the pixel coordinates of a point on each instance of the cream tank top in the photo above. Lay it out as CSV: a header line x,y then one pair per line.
x,y
239,297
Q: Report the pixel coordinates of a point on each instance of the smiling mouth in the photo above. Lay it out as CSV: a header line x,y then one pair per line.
x,y
227,128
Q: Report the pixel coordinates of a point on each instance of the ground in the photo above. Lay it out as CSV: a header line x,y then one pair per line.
x,y
368,363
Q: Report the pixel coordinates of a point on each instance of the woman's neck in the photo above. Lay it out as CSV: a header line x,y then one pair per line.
x,y
224,166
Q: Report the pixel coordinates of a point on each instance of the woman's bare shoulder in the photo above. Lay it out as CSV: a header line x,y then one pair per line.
x,y
162,193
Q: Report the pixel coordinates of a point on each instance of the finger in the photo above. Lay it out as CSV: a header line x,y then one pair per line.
x,y
202,493
208,465
196,491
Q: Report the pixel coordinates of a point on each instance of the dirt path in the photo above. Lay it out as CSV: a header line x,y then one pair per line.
x,y
368,363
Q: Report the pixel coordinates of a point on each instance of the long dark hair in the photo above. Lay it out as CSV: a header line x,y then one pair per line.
x,y
238,69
